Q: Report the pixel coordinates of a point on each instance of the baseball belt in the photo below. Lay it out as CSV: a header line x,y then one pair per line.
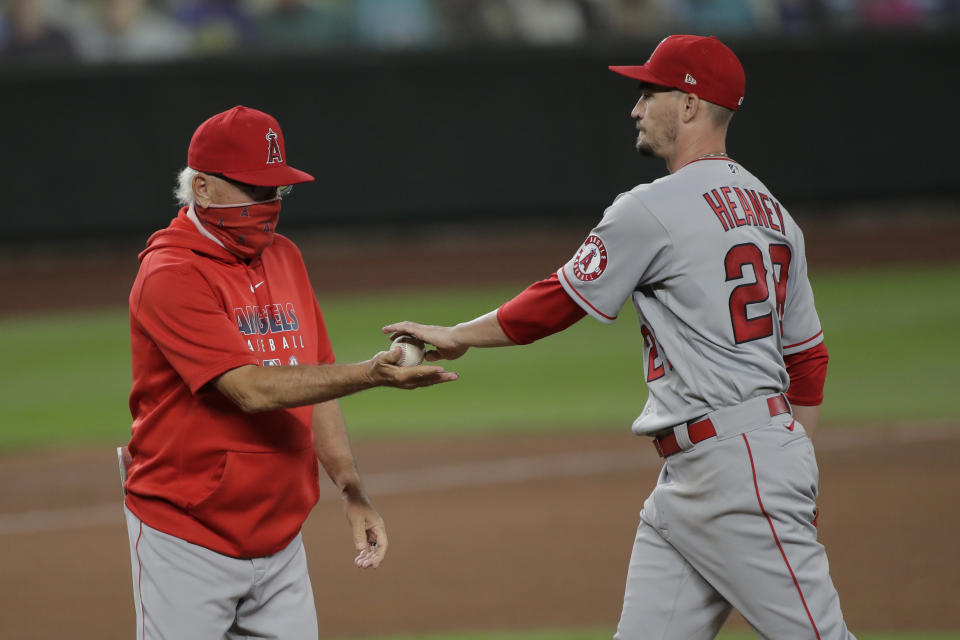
x,y
667,444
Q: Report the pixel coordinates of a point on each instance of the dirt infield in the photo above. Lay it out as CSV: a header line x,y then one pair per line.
x,y
494,533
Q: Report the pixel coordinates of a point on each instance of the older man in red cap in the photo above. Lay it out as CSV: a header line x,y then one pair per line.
x,y
733,357
234,401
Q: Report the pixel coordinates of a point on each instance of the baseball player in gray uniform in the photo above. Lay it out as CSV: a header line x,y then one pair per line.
x,y
733,355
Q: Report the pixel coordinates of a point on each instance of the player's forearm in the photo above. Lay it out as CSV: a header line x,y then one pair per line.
x,y
332,445
807,416
484,331
256,389
452,342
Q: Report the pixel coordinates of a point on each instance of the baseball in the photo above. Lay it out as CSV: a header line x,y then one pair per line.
x,y
412,351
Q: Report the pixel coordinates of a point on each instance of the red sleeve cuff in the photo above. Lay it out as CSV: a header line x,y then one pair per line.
x,y
507,327
540,310
808,372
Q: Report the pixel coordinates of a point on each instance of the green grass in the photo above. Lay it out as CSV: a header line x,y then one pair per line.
x,y
892,335
894,341
583,378
606,635
65,379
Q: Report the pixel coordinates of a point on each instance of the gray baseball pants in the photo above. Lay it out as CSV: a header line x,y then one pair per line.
x,y
730,525
183,591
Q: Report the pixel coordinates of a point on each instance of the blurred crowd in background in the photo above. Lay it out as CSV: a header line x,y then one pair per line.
x,y
38,32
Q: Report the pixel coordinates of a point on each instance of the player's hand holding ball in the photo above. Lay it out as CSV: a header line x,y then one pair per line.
x,y
442,338
400,367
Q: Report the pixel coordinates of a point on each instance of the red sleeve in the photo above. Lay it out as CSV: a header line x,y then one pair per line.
x,y
807,371
188,324
540,310
324,348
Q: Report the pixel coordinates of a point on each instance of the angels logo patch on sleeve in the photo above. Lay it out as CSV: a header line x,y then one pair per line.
x,y
590,260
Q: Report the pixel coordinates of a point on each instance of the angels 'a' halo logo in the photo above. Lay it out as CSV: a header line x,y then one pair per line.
x,y
591,260
273,147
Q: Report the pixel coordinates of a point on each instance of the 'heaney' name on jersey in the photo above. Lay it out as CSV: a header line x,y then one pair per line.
x,y
754,208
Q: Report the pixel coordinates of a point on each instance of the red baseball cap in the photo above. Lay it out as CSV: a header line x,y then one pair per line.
x,y
694,64
246,145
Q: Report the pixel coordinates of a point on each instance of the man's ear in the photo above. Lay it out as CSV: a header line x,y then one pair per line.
x,y
689,107
201,190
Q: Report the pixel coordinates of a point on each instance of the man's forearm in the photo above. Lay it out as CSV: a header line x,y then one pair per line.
x,y
333,446
484,331
255,388
807,416
452,342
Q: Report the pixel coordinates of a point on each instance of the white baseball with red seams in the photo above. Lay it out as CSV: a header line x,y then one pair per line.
x,y
412,350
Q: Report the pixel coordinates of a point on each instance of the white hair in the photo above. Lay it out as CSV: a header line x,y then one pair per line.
x,y
184,189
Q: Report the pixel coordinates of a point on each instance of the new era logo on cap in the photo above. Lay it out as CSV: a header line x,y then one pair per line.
x,y
694,64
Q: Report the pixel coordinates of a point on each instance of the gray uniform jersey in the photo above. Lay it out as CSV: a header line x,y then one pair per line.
x,y
716,269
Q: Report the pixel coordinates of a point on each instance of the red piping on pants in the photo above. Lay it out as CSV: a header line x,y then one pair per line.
x,y
756,486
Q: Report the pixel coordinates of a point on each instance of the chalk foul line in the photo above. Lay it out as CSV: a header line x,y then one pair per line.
x,y
438,478
484,473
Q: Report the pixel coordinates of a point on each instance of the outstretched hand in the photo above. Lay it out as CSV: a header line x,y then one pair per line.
x,y
383,370
442,338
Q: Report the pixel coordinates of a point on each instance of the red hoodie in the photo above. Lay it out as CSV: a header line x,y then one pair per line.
x,y
203,470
